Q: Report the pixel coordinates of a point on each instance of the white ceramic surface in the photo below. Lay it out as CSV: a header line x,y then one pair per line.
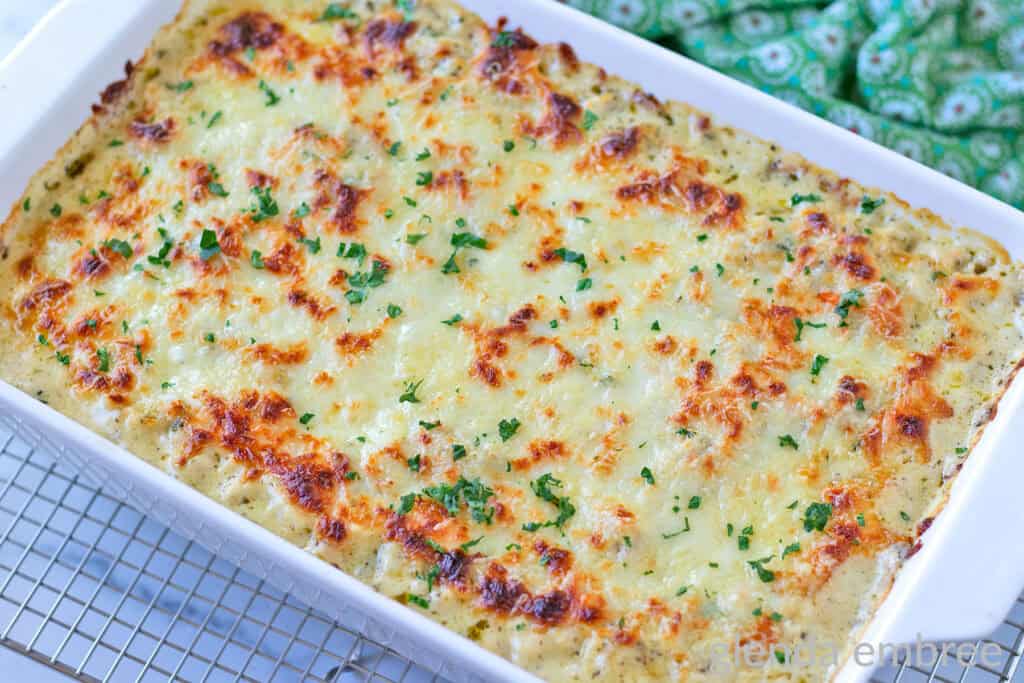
x,y
82,45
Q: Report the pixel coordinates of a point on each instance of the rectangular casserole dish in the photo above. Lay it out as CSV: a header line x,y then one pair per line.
x,y
53,84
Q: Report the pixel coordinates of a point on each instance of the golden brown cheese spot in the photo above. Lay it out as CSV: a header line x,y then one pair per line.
x,y
300,298
559,121
309,484
157,132
344,198
886,313
356,343
199,178
390,33
502,64
115,91
271,355
331,529
542,450
249,30
43,295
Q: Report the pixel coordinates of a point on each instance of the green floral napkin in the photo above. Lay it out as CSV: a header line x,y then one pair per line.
x,y
940,81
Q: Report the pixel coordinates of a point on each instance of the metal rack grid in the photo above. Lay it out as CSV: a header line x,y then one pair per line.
x,y
94,589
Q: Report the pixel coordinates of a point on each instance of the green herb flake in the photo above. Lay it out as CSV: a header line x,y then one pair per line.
x,y
454,320
208,245
415,238
589,119
183,86
272,97
394,311
458,451
306,418
584,284
868,205
104,357
818,364
508,428
572,257
647,476
409,396
265,206
787,441
801,198
816,516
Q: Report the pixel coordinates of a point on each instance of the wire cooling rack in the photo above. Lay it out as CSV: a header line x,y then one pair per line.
x,y
94,589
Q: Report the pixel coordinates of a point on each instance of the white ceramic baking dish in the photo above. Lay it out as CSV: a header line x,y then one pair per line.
x,y
960,584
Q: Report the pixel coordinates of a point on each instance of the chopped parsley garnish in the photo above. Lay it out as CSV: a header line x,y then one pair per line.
x,y
272,97
818,364
685,529
656,326
720,269
790,549
423,155
104,357
474,493
26,205
513,210
423,178
850,298
868,205
302,211
208,245
313,245
801,324
417,600
508,428
217,189
56,211
335,11
393,149
801,198
115,143
788,441
413,463
394,310
265,206
63,358
960,450
467,239
904,516
429,425
415,238
743,542
306,418
859,404
361,281
647,475
409,396
584,284
589,119
694,502
180,87
683,431
160,259
454,320
409,201
120,247
256,259
210,337
816,516
458,451
355,250
860,519
572,257
553,324
461,240
766,575
542,488
214,119
508,145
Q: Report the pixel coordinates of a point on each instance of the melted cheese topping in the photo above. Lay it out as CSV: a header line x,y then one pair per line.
x,y
602,385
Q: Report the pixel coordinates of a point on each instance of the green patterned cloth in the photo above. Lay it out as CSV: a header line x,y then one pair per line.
x,y
940,81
